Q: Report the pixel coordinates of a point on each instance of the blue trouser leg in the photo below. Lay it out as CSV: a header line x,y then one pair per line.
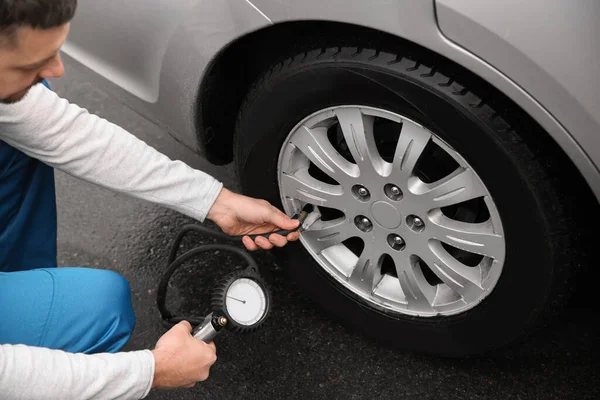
x,y
79,310
72,309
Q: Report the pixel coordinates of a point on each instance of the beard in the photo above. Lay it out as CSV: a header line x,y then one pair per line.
x,y
15,98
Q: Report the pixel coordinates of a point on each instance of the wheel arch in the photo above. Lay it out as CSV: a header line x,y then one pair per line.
x,y
246,58
230,74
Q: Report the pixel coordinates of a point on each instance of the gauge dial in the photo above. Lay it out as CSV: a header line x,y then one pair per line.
x,y
246,302
243,298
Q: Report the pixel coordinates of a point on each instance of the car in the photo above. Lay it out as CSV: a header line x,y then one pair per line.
x,y
448,150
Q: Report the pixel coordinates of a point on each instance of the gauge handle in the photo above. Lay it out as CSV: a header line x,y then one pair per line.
x,y
209,328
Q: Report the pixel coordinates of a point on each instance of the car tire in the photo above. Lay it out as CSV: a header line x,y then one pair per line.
x,y
506,153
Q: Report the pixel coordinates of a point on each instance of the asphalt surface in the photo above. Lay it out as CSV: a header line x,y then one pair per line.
x,y
299,353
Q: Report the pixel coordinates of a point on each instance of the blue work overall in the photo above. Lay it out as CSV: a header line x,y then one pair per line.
x,y
79,310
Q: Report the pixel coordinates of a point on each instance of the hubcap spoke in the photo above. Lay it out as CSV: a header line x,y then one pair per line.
x,y
461,278
474,238
358,132
462,185
316,146
418,293
367,271
324,234
411,144
304,187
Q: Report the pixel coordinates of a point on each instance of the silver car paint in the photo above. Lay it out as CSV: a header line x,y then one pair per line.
x,y
154,61
154,52
550,48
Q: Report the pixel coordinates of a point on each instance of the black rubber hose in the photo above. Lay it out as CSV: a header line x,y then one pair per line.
x,y
174,262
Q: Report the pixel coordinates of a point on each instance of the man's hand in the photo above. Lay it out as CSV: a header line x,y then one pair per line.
x,y
180,359
241,215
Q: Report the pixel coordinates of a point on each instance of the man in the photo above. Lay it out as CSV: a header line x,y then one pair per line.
x,y
61,329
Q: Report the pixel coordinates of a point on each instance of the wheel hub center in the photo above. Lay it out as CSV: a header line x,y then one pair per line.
x,y
386,214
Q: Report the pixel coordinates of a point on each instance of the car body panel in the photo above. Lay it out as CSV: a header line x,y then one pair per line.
x,y
196,32
551,49
154,62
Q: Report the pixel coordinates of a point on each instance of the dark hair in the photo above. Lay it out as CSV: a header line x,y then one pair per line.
x,y
38,14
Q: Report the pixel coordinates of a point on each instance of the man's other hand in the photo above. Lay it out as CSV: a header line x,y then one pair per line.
x,y
241,215
180,359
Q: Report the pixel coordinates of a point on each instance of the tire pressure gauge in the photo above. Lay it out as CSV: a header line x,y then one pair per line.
x,y
240,302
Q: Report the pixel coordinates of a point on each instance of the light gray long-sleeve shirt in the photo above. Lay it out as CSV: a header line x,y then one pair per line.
x,y
68,138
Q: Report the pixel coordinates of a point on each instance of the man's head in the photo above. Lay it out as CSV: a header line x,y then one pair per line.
x,y
31,34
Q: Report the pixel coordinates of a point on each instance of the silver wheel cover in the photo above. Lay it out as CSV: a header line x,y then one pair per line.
x,y
413,253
